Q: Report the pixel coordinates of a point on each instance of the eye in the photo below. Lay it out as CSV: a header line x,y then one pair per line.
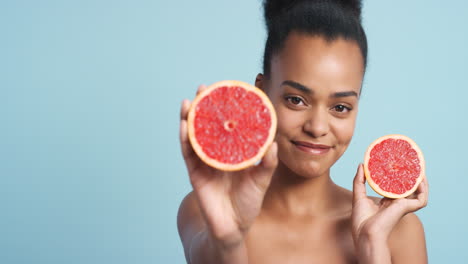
x,y
341,108
295,100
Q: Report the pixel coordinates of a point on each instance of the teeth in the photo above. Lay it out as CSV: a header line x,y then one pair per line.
x,y
315,151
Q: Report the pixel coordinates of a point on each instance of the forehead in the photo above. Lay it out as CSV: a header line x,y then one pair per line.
x,y
316,62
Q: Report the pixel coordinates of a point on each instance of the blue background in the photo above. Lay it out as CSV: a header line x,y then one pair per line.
x,y
90,166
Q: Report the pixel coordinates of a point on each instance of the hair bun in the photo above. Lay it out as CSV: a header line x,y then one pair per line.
x,y
274,8
354,6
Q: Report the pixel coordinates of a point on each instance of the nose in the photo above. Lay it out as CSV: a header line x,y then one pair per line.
x,y
317,122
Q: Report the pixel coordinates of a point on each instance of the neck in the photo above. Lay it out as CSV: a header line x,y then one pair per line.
x,y
294,195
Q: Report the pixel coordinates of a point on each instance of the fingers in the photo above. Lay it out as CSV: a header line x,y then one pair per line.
x,y
270,160
184,141
421,197
264,171
359,186
386,202
423,193
184,109
183,134
187,150
415,201
186,103
201,88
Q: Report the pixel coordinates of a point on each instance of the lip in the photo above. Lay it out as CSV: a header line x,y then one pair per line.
x,y
312,148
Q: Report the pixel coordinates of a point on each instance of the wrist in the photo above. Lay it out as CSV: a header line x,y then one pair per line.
x,y
226,242
217,251
372,249
231,251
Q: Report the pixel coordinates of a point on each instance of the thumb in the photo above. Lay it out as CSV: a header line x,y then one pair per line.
x,y
263,172
270,160
359,187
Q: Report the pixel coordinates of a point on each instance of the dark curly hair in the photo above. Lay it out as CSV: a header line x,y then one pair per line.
x,y
330,19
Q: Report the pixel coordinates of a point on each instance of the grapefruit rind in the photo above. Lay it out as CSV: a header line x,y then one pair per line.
x,y
262,150
371,182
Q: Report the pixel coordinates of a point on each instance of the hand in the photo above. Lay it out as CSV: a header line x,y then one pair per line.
x,y
229,201
370,219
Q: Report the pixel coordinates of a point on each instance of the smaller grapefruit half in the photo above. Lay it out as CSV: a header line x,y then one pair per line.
x,y
394,166
231,124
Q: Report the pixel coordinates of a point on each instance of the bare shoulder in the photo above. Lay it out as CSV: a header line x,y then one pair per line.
x,y
407,241
189,220
189,215
188,207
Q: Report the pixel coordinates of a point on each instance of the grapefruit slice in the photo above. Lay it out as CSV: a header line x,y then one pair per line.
x,y
394,166
231,124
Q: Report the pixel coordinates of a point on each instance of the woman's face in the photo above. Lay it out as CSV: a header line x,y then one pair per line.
x,y
314,86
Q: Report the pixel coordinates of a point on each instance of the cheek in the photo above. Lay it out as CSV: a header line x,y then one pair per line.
x,y
288,121
344,130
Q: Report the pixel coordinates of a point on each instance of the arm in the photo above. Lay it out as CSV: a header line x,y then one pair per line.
x,y
372,250
214,219
199,245
406,244
387,231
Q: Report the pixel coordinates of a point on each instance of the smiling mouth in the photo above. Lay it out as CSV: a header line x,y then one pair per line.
x,y
311,148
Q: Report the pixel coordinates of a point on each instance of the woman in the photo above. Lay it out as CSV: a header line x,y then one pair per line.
x,y
287,209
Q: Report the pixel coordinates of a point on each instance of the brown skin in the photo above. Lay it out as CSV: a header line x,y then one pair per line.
x,y
287,209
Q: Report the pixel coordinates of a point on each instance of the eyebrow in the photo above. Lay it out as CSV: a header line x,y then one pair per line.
x,y
308,90
344,94
298,86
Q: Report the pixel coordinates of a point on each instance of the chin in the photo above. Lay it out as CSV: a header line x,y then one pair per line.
x,y
312,170
306,169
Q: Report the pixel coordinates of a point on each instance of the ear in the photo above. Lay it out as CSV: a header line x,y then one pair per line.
x,y
259,81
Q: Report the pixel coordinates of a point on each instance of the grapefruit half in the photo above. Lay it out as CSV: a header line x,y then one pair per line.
x,y
394,166
231,124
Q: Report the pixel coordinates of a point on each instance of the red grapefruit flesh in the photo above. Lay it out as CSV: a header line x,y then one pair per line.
x,y
394,166
231,124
